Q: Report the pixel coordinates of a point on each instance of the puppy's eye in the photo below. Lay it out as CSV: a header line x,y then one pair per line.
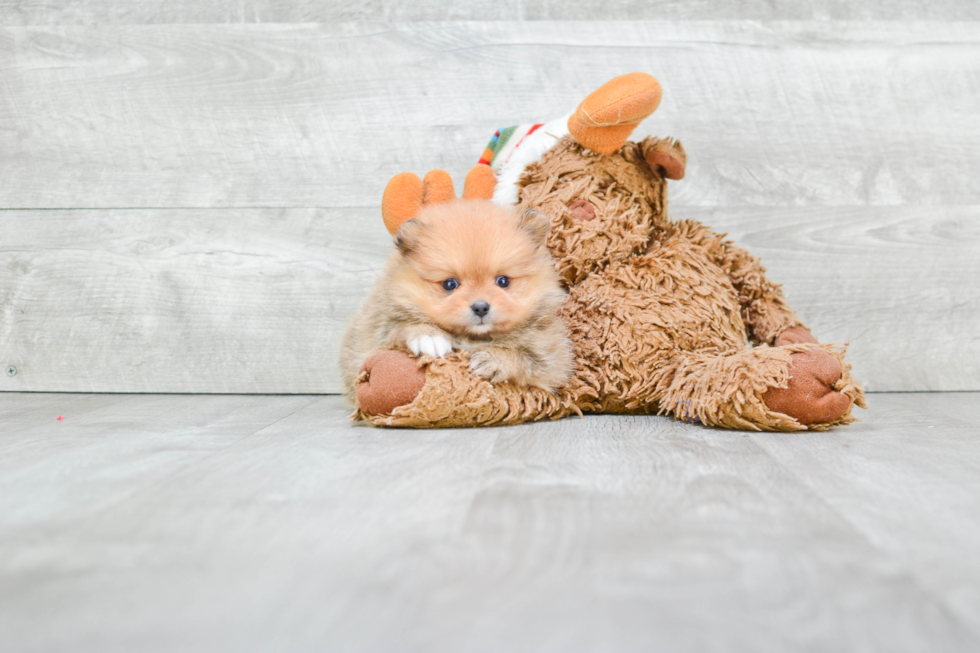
x,y
450,285
503,281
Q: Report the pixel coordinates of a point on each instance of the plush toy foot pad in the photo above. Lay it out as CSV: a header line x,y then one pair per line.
x,y
810,397
393,379
607,117
795,336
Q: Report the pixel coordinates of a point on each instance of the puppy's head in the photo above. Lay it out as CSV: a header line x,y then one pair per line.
x,y
474,268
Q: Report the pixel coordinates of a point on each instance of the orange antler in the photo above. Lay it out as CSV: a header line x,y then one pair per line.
x,y
608,116
401,201
437,187
406,194
480,182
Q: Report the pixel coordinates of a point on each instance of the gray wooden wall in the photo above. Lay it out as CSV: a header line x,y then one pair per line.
x,y
189,190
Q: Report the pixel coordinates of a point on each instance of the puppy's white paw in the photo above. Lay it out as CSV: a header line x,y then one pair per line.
x,y
437,346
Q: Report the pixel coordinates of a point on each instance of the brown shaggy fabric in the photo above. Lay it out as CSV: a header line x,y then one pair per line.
x,y
453,397
660,313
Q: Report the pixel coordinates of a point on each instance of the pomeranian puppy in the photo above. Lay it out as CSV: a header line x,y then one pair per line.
x,y
468,275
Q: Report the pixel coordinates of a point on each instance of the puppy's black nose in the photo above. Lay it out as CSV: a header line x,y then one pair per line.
x,y
480,309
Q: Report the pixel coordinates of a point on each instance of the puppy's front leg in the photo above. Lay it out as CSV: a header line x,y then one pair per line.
x,y
498,364
422,339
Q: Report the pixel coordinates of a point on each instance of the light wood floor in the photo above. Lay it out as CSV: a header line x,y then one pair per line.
x,y
268,523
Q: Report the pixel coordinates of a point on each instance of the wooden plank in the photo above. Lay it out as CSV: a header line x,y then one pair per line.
x,y
182,300
256,300
908,479
773,114
609,533
104,12
892,281
20,410
96,457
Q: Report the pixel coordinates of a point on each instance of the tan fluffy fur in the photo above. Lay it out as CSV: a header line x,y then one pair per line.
x,y
521,340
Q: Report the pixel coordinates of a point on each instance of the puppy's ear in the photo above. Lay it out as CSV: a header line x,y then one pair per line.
x,y
535,224
408,234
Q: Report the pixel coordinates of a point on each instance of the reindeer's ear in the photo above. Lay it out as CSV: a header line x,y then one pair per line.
x,y
480,182
665,156
437,187
401,201
407,236
535,224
